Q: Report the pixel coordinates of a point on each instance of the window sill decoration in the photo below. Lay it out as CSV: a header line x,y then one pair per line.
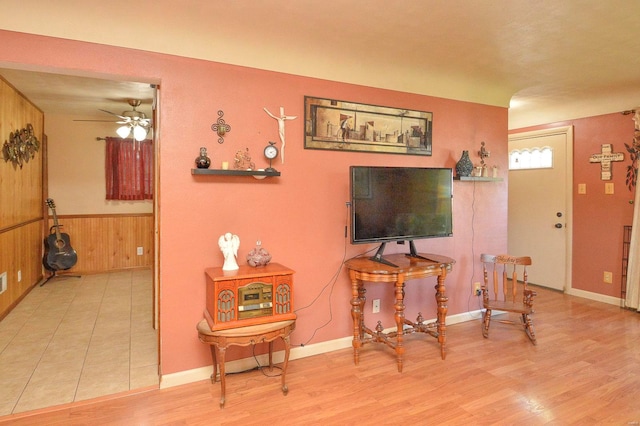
x,y
21,146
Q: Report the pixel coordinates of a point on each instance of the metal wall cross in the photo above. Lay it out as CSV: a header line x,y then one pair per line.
x,y
605,158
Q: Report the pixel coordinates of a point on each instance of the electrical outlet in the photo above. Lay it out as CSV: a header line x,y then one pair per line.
x,y
608,277
140,251
477,289
608,188
375,306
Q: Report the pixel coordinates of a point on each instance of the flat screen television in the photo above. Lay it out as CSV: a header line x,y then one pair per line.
x,y
398,204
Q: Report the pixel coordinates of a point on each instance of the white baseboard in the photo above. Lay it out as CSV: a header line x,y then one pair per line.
x,y
204,373
595,296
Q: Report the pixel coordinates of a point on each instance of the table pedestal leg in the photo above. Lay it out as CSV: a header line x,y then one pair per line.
x,y
356,312
221,355
441,301
214,375
287,348
399,317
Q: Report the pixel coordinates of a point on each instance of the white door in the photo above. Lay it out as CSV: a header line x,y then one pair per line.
x,y
540,205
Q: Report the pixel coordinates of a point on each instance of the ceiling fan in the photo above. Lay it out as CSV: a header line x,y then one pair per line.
x,y
133,122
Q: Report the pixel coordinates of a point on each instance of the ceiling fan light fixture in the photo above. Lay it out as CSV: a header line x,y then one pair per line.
x,y
139,133
124,131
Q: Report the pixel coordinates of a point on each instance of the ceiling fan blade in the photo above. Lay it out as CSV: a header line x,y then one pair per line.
x,y
98,121
142,122
114,114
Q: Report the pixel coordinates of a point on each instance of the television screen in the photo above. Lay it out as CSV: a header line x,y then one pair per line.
x,y
400,203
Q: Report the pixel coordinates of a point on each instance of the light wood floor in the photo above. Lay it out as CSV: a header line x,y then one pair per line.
x,y
76,339
585,370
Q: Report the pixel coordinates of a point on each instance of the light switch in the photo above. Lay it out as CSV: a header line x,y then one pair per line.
x,y
582,188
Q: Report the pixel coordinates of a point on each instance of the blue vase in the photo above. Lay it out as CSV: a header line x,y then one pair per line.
x,y
464,166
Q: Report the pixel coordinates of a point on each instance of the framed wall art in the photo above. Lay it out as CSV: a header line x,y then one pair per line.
x,y
350,126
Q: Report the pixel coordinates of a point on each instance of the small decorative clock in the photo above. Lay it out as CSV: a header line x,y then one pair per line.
x,y
271,152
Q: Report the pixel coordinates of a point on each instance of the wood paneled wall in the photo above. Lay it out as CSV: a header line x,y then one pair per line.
x,y
21,204
20,254
109,242
20,188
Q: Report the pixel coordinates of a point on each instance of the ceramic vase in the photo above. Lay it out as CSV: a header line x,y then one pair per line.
x,y
202,161
464,166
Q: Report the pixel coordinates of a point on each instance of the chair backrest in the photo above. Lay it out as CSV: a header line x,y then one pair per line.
x,y
503,270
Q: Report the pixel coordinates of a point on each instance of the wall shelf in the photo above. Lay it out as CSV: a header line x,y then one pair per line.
x,y
477,179
233,172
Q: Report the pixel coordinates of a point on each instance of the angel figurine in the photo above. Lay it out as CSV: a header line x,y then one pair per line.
x,y
229,244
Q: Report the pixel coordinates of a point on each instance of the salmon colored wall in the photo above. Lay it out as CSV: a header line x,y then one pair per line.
x,y
301,216
598,218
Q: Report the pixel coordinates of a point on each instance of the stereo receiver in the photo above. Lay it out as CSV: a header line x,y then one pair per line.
x,y
254,300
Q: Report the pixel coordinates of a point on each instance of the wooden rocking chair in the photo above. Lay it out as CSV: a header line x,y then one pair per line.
x,y
502,294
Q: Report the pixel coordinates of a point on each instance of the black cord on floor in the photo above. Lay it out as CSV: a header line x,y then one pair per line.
x,y
473,252
259,367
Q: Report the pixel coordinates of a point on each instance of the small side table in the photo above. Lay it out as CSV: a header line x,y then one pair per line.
x,y
219,340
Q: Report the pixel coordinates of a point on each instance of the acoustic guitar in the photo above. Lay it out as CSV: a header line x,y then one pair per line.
x,y
58,253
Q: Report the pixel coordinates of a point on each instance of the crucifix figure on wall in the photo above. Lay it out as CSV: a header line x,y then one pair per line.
x,y
281,119
605,158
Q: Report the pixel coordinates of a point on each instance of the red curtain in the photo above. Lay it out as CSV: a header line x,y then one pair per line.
x,y
129,169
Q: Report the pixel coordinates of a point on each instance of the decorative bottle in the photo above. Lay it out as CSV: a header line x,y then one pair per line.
x,y
464,166
258,256
202,161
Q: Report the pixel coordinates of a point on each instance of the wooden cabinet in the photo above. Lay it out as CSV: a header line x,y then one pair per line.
x,y
248,296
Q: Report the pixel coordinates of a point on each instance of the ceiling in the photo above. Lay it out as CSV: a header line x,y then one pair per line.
x,y
79,96
549,60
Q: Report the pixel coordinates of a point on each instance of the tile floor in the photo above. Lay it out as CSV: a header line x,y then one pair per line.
x,y
78,338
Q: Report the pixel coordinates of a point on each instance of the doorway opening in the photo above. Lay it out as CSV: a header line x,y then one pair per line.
x,y
73,157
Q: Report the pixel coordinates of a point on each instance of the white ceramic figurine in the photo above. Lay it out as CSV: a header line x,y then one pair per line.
x,y
229,244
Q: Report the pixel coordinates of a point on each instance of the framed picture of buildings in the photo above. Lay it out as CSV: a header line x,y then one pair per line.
x,y
350,126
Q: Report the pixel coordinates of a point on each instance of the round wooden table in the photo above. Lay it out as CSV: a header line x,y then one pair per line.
x,y
220,340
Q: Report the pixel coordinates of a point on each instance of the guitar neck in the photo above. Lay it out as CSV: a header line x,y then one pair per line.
x,y
52,206
55,224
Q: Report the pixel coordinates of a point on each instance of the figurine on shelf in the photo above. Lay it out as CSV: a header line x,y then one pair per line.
x,y
258,256
229,244
242,160
483,153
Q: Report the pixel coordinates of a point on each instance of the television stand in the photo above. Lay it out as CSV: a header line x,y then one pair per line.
x,y
378,257
413,254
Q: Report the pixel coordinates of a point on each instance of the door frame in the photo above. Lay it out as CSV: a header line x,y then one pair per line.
x,y
567,131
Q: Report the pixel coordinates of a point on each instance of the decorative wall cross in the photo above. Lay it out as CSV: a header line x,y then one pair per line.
x,y
605,158
281,119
